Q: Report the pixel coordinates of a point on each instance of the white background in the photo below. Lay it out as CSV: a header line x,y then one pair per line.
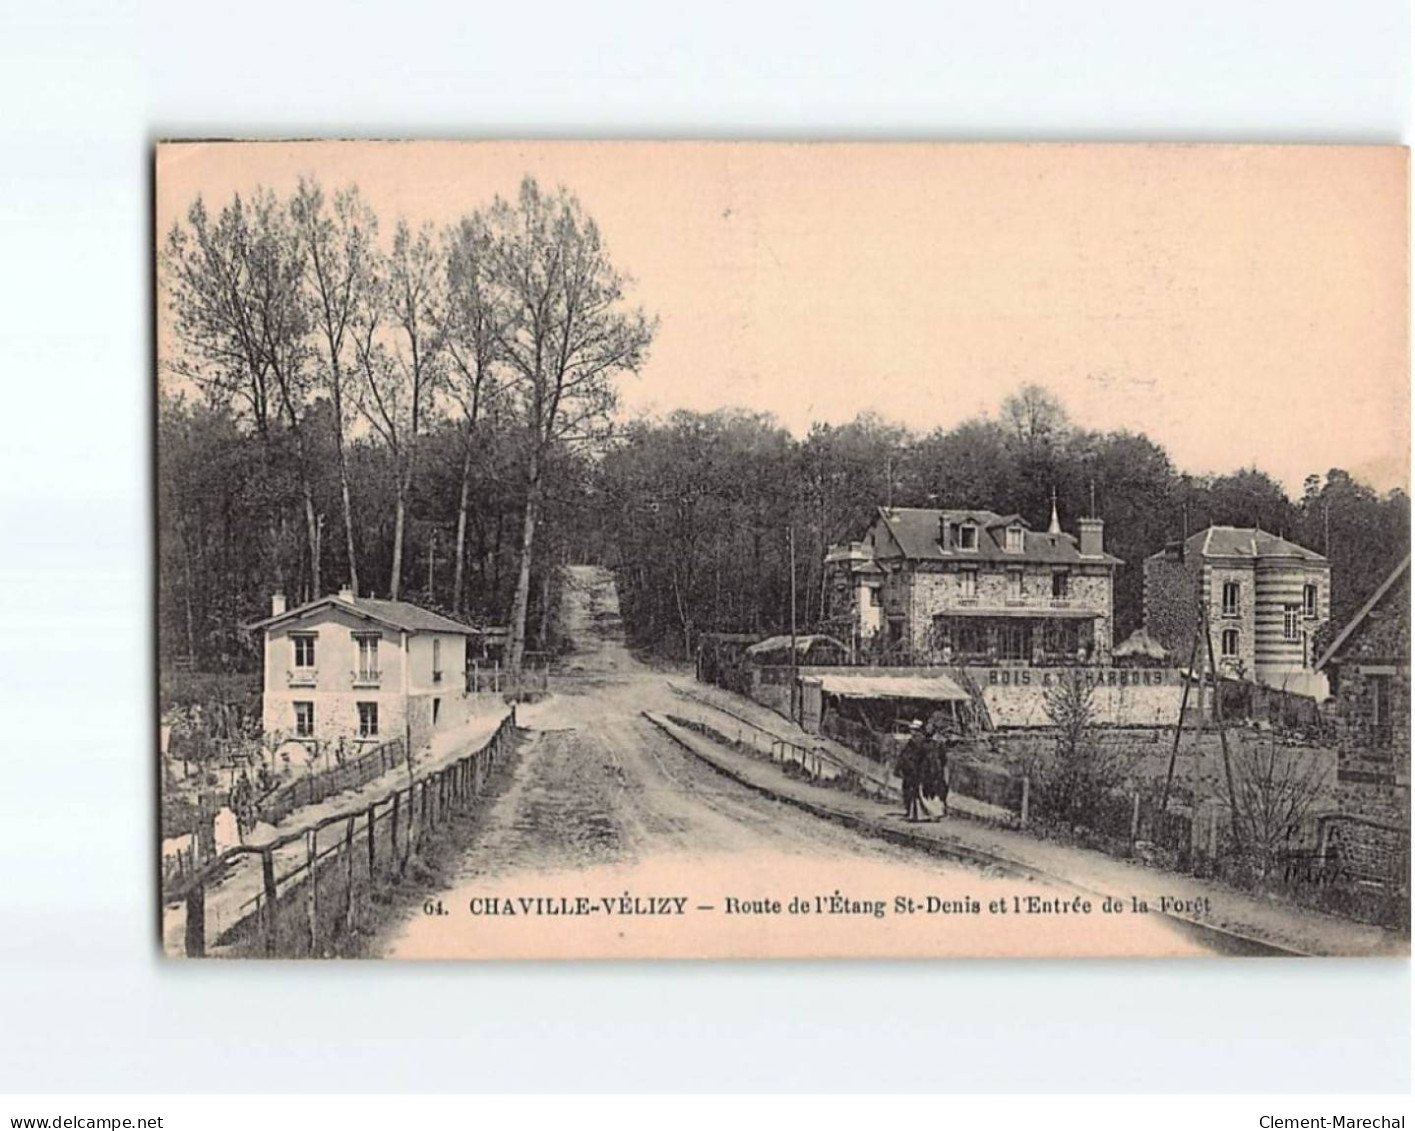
x,y
85,1002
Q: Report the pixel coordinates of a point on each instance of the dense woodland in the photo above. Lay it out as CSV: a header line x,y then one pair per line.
x,y
431,415
401,413
696,509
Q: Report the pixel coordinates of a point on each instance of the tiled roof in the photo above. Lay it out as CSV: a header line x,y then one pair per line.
x,y
916,530
1363,612
804,643
1244,542
857,685
394,614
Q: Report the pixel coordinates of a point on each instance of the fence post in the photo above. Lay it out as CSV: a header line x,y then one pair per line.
x,y
396,797
349,873
372,845
311,908
1026,797
267,868
196,921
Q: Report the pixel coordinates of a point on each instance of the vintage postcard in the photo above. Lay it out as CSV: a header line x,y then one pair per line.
x,y
759,550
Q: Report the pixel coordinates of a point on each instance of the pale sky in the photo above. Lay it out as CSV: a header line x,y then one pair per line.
x,y
1240,305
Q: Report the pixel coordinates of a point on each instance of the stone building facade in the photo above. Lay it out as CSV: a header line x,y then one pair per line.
x,y
1266,598
976,587
1369,667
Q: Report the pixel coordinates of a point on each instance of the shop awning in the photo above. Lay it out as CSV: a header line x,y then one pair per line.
x,y
1021,612
938,688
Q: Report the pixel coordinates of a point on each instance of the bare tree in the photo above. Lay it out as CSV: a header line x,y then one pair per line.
x,y
239,309
473,319
399,351
338,240
567,336
1036,416
1274,793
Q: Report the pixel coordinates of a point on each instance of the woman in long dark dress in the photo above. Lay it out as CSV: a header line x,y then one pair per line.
x,y
911,766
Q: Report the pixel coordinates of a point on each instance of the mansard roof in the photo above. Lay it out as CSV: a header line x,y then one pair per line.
x,y
915,531
1248,542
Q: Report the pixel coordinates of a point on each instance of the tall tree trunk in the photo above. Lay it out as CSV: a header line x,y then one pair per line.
x,y
543,625
312,532
521,601
348,520
458,602
395,581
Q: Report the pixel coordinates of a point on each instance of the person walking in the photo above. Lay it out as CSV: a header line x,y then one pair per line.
x,y
911,767
243,806
933,773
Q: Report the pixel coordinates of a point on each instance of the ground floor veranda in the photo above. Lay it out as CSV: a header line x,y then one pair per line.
x,y
1023,637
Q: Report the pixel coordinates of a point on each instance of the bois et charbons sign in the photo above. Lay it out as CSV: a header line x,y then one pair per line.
x,y
1099,677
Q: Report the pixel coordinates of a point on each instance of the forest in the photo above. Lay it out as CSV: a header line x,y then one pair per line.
x,y
432,415
698,512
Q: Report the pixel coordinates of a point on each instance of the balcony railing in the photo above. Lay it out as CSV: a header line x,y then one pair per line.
x,y
366,678
302,677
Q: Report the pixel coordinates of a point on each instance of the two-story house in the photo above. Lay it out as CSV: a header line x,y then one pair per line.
x,y
976,587
363,670
1265,596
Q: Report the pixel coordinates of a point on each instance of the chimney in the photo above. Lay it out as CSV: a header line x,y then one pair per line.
x,y
346,594
1092,537
277,604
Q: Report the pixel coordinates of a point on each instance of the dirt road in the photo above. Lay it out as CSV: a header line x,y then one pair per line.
x,y
604,806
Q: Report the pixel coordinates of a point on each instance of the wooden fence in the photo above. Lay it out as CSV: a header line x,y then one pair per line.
x,y
493,679
329,880
311,789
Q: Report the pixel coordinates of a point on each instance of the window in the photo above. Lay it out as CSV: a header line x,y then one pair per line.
x,y
1014,539
874,596
368,720
368,657
1380,699
1292,622
1061,638
304,651
972,639
1015,641
968,584
304,720
967,537
1060,584
1014,585
436,710
1230,598
436,660
1309,600
1229,644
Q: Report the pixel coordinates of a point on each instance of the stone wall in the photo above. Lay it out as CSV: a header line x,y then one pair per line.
x,y
1170,609
1121,697
934,593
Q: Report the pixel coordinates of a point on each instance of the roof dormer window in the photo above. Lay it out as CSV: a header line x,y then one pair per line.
x,y
1014,539
967,536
